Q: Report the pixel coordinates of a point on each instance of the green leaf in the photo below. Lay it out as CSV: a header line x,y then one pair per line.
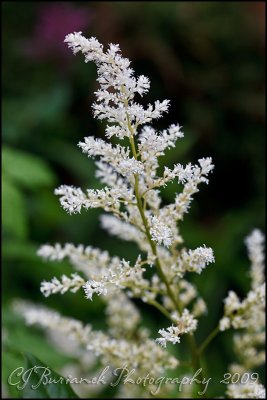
x,y
13,210
38,385
26,169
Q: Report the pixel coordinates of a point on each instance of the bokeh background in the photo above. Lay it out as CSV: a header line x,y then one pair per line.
x,y
208,59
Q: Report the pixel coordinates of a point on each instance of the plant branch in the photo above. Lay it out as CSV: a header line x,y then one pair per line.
x,y
190,338
207,341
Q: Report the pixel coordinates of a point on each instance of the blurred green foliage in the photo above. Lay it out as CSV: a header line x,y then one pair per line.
x,y
208,59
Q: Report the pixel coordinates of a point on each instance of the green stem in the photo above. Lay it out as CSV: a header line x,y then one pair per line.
x,y
161,309
190,338
207,341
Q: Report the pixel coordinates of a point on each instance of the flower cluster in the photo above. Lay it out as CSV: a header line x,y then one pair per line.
x,y
193,260
139,351
131,193
248,315
184,324
56,286
130,198
246,391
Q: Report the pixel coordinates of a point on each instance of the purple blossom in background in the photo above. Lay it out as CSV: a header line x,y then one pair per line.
x,y
53,22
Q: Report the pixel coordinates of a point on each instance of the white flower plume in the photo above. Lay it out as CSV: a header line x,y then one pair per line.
x,y
193,260
92,287
160,233
56,286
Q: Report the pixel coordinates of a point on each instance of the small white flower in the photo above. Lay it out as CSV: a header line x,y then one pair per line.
x,y
200,307
255,246
172,334
232,303
92,287
131,167
250,390
72,199
56,286
185,323
160,233
142,85
206,165
194,260
224,324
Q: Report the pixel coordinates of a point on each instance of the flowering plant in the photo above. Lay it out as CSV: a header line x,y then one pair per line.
x,y
159,276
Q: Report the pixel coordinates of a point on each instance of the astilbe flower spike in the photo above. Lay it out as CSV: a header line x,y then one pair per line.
x,y
131,200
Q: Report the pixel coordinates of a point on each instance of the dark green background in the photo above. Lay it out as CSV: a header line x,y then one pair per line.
x,y
208,59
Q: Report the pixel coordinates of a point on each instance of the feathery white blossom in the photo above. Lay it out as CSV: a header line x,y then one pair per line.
x,y
92,287
224,323
184,324
73,199
249,346
132,196
192,174
250,312
117,157
56,286
52,320
91,261
193,260
118,276
124,231
144,354
160,233
255,246
248,316
250,390
110,177
151,145
247,313
117,106
199,307
122,320
108,153
187,291
172,334
131,167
